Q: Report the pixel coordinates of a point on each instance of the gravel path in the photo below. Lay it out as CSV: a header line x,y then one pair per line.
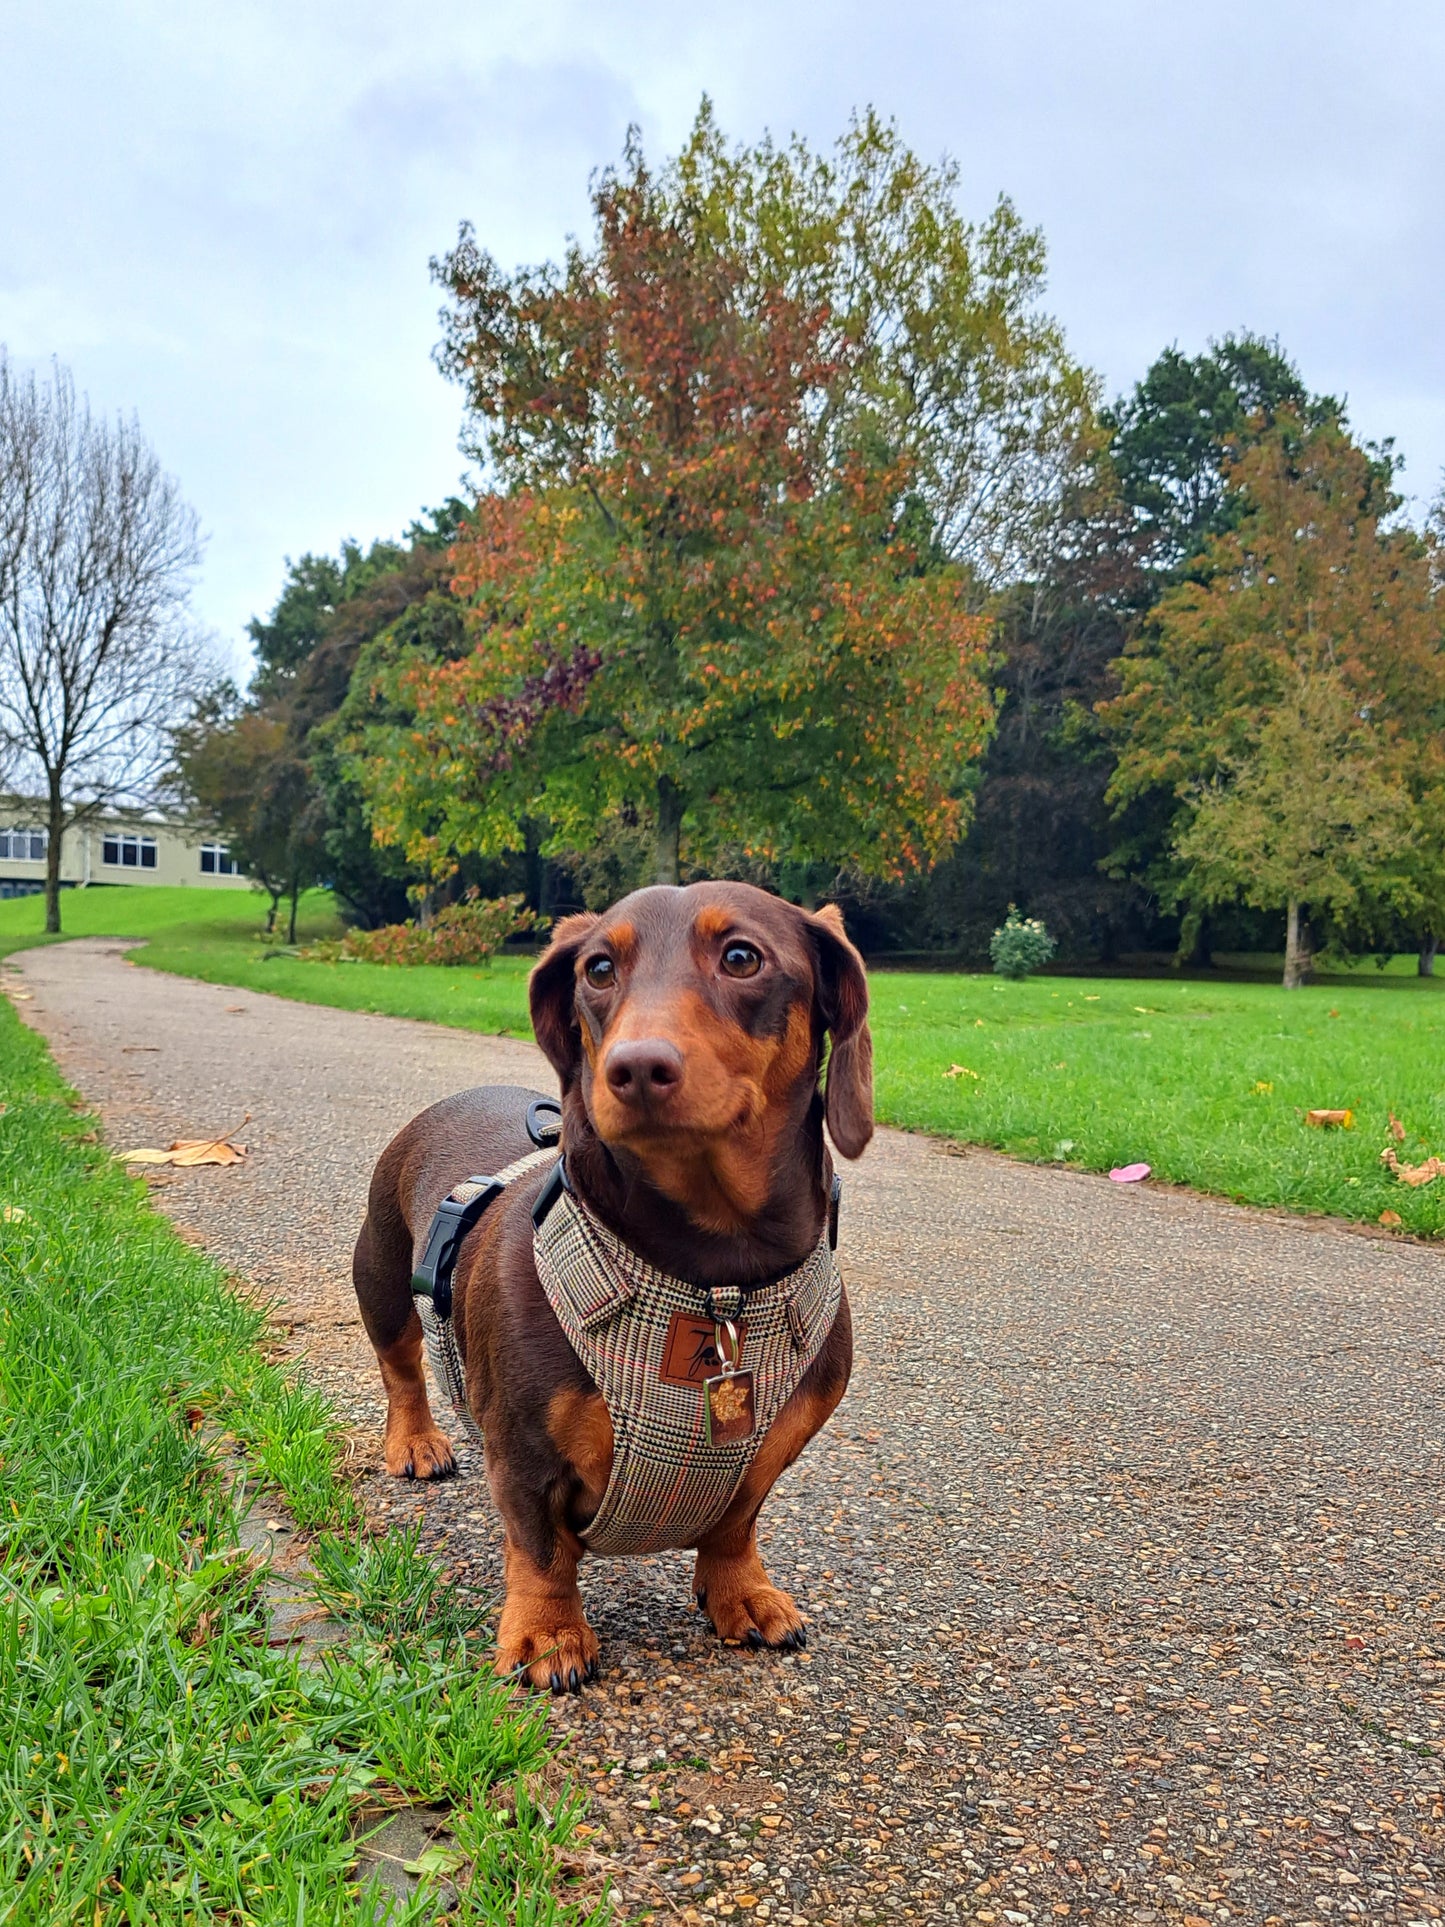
x,y
1124,1557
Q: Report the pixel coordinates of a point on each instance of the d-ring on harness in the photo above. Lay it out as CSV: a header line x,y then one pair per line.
x,y
456,1215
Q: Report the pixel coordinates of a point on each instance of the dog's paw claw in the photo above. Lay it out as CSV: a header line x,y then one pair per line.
x,y
421,1455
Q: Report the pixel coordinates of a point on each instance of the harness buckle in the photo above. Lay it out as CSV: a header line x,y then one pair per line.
x,y
454,1218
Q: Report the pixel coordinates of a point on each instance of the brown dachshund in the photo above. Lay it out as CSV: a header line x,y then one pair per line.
x,y
687,1027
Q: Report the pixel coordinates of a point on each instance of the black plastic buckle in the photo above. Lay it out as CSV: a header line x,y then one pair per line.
x,y
433,1276
543,1132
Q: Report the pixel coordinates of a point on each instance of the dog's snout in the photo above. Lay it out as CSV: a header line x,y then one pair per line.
x,y
643,1068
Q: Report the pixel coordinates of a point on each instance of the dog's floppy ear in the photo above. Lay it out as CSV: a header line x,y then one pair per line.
x,y
843,1003
551,990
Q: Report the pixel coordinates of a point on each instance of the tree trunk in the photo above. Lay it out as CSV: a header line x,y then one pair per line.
x,y
55,831
1296,963
291,929
275,896
1429,946
669,830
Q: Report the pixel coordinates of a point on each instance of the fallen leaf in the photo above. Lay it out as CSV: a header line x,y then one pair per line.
x,y
21,996
1092,999
1391,1218
218,1150
1332,1013
959,1070
1129,1173
437,1861
1425,1173
12,1214
1264,1088
1344,1120
1146,1010
1397,1129
191,1150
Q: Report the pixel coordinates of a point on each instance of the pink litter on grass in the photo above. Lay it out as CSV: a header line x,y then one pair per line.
x,y
1129,1173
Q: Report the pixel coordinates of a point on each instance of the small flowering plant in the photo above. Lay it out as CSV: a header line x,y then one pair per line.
x,y
1019,945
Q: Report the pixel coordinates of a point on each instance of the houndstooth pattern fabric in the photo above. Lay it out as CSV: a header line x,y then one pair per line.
x,y
668,1484
440,1333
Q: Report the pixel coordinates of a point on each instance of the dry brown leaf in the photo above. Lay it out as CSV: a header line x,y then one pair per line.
x,y
1425,1173
217,1150
1341,1120
192,1150
959,1070
1397,1129
1391,1219
12,1214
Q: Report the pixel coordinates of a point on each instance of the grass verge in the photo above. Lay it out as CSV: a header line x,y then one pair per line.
x,y
159,1761
1207,1082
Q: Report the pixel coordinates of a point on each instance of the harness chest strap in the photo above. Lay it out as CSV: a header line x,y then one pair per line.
x,y
645,1338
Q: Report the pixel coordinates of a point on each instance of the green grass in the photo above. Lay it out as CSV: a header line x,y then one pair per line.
x,y
1089,1071
1207,1083
159,1761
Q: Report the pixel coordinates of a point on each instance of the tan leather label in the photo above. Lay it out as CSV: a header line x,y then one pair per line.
x,y
690,1354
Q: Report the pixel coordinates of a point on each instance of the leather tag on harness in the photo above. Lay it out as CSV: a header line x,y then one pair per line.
x,y
689,1353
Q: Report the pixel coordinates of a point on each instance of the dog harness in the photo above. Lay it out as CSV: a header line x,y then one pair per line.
x,y
682,1368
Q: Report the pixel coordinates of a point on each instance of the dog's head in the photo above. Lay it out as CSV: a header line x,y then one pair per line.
x,y
690,1022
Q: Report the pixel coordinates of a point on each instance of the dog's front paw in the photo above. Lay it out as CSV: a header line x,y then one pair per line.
x,y
563,1658
753,1615
423,1453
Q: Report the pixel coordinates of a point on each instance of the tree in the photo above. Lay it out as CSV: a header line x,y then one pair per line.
x,y
1172,441
1306,585
97,654
699,599
240,767
1312,815
934,327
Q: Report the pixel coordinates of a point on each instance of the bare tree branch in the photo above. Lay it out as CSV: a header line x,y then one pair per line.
x,y
98,654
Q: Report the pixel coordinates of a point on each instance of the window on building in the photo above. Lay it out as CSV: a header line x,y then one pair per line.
x,y
24,846
217,861
125,850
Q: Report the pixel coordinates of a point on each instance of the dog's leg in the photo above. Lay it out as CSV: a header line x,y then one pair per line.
x,y
732,1588
544,1637
414,1446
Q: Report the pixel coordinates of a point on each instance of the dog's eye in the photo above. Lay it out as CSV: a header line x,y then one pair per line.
x,y
600,972
741,960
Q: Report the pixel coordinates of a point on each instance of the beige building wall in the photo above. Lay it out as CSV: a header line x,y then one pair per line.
x,y
179,851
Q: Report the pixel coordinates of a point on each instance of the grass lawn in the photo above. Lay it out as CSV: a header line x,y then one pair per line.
x,y
160,1761
1207,1082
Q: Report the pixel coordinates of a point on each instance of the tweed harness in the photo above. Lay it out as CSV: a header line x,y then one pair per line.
x,y
657,1347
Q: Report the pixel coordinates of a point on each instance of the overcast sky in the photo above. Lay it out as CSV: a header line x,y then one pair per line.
x,y
221,215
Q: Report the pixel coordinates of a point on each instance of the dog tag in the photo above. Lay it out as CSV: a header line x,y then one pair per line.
x,y
728,1405
727,1399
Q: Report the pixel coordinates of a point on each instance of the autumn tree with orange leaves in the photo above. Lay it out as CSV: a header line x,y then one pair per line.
x,y
1290,696
712,585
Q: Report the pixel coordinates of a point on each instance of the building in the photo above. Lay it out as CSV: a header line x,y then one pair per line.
x,y
141,846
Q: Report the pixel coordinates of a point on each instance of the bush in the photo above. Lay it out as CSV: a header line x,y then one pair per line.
x,y
468,932
1019,945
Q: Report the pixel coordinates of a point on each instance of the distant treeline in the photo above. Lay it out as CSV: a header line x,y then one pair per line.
x,y
807,554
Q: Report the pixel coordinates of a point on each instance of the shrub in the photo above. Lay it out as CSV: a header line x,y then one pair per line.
x,y
1019,945
468,932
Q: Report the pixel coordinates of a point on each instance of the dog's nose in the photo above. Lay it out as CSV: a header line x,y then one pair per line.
x,y
642,1068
